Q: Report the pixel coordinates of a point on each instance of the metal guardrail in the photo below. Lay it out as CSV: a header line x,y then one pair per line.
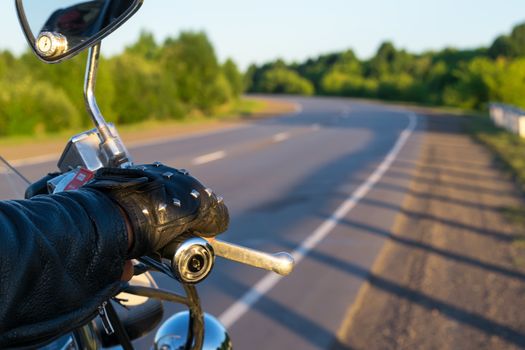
x,y
508,117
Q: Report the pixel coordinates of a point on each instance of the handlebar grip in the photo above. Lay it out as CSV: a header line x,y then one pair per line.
x,y
281,263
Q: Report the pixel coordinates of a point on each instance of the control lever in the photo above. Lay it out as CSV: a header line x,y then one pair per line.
x,y
281,263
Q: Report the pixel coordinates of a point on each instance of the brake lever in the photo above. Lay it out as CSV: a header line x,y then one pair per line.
x,y
157,266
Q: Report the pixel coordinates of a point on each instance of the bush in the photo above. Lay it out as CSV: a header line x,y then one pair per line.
x,y
285,81
147,81
35,107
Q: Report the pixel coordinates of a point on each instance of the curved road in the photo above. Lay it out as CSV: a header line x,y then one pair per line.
x,y
311,183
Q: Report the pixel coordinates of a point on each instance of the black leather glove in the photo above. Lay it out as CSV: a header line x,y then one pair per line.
x,y
162,203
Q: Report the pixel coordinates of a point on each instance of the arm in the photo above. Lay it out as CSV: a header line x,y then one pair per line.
x,y
60,257
63,254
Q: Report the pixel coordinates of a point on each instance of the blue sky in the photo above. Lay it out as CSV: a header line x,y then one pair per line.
x,y
258,31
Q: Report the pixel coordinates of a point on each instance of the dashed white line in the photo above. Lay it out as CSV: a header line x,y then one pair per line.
x,y
345,112
241,306
35,160
298,109
280,137
207,158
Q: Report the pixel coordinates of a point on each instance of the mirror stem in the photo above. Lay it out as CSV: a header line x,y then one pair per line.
x,y
111,147
89,93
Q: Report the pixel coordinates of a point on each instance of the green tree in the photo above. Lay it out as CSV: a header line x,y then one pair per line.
x,y
314,69
473,86
145,46
133,77
501,47
249,77
285,81
517,40
191,62
234,77
508,83
30,107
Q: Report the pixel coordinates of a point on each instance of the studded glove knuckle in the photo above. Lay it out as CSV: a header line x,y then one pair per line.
x,y
162,203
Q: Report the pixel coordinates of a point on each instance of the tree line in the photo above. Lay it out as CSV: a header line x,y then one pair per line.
x,y
149,80
452,77
182,76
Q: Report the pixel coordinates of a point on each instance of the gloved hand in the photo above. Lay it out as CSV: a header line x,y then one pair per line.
x,y
161,203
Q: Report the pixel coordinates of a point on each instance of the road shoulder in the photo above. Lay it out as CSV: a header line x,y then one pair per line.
x,y
448,278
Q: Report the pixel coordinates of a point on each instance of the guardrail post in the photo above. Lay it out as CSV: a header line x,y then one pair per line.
x,y
508,117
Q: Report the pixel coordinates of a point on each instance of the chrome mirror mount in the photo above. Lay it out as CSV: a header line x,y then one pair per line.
x,y
112,149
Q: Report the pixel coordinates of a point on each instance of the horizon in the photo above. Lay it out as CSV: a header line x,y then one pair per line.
x,y
241,31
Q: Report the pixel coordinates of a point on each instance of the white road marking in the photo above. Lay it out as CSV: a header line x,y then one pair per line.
x,y
315,127
35,160
189,135
281,137
210,157
241,306
298,109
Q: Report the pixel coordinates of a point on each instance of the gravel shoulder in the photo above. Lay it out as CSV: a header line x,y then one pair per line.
x,y
450,277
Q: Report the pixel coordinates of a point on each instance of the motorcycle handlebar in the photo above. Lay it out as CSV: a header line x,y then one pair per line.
x,y
192,259
281,263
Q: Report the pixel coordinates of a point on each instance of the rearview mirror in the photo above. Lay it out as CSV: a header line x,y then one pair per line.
x,y
59,29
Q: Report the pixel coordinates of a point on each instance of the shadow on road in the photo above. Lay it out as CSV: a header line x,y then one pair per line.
x,y
446,278
283,315
428,302
412,243
457,197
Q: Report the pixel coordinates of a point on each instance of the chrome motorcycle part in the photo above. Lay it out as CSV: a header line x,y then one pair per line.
x,y
83,150
135,321
106,322
49,44
193,260
143,280
120,333
81,24
195,326
281,263
86,337
156,293
173,334
112,149
83,338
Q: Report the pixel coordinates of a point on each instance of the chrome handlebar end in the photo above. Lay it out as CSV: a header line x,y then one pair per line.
x,y
193,260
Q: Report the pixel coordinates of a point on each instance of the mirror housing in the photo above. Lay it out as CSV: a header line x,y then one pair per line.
x,y
69,30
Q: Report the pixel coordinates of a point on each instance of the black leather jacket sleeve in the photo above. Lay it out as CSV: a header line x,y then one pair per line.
x,y
61,256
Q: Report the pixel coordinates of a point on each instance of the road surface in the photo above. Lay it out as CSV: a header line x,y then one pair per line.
x,y
306,183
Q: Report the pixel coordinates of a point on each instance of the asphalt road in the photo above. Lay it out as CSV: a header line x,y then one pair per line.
x,y
308,177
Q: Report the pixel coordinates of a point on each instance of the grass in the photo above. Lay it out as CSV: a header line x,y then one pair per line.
x,y
509,149
516,215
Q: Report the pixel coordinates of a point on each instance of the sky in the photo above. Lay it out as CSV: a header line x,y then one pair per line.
x,y
259,31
